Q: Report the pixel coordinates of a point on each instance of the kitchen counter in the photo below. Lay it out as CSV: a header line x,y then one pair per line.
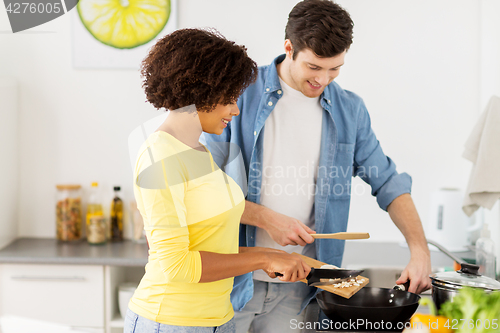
x,y
131,254
128,253
52,251
393,254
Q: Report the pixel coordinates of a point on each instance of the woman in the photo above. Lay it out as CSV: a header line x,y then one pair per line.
x,y
191,208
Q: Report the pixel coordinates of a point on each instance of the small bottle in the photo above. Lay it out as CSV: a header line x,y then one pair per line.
x,y
138,234
485,254
96,224
116,217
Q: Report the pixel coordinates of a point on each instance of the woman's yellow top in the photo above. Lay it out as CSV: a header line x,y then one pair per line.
x,y
188,205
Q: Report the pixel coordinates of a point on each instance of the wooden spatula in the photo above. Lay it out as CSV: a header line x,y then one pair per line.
x,y
342,235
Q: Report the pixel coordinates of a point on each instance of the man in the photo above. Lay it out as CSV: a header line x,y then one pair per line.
x,y
302,138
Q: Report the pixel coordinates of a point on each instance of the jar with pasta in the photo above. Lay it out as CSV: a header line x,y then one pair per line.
x,y
68,213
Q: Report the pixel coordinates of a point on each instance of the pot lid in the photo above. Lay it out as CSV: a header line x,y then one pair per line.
x,y
466,280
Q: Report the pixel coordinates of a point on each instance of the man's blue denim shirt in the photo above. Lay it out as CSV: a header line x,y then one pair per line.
x,y
348,148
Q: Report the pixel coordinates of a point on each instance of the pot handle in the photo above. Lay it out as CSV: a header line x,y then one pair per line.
x,y
464,266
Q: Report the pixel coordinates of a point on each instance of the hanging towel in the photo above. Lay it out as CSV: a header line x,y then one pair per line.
x,y
483,149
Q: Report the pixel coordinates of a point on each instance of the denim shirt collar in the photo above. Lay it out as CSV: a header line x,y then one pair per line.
x,y
272,79
272,83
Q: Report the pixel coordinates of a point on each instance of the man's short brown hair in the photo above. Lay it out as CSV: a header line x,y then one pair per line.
x,y
195,66
320,25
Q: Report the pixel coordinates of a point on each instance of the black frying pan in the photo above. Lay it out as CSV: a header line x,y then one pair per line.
x,y
371,305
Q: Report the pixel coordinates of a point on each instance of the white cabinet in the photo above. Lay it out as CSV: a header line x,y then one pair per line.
x,y
81,296
72,295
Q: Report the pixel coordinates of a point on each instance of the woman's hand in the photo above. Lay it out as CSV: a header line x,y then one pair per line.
x,y
290,267
218,266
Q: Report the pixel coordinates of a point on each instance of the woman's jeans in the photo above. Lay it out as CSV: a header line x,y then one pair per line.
x,y
137,324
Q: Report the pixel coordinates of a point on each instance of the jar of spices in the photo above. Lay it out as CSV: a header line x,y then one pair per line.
x,y
68,213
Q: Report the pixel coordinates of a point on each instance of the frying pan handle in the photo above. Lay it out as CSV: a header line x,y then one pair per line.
x,y
403,287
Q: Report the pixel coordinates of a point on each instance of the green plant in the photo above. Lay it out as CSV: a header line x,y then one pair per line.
x,y
473,311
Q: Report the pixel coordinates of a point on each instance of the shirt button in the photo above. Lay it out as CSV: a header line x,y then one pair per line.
x,y
279,92
328,101
267,89
270,103
255,133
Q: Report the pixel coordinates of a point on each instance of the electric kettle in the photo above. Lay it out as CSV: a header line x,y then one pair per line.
x,y
448,224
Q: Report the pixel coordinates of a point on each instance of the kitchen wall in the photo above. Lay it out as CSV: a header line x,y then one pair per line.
x,y
9,163
490,85
417,65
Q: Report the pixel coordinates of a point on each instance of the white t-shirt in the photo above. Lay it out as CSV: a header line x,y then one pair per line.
x,y
292,140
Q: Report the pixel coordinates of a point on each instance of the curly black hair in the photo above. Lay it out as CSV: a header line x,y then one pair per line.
x,y
195,66
320,25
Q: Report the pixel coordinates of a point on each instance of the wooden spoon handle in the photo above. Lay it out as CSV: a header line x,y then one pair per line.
x,y
342,235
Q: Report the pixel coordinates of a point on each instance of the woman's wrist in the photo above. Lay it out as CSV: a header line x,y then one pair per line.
x,y
262,259
256,256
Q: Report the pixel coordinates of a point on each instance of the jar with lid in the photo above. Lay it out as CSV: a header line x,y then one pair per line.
x,y
96,222
68,213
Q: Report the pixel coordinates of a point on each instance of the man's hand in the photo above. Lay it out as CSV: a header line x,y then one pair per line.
x,y
404,215
283,229
417,271
286,230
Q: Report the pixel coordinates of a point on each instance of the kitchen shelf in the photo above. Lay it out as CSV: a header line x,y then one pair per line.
x,y
114,276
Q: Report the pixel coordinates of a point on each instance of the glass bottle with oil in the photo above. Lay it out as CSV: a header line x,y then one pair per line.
x,y
96,223
116,216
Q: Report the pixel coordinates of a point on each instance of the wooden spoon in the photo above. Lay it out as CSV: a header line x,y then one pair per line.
x,y
342,235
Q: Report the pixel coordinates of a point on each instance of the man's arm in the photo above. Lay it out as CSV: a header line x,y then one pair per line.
x,y
392,192
404,215
283,229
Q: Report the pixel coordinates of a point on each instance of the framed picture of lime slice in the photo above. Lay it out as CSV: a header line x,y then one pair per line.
x,y
118,33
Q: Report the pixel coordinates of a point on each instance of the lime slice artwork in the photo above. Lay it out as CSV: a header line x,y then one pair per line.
x,y
124,24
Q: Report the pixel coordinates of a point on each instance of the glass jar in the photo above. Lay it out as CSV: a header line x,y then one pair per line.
x,y
96,230
68,213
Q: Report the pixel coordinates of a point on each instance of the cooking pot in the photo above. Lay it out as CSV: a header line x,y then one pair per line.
x,y
445,285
